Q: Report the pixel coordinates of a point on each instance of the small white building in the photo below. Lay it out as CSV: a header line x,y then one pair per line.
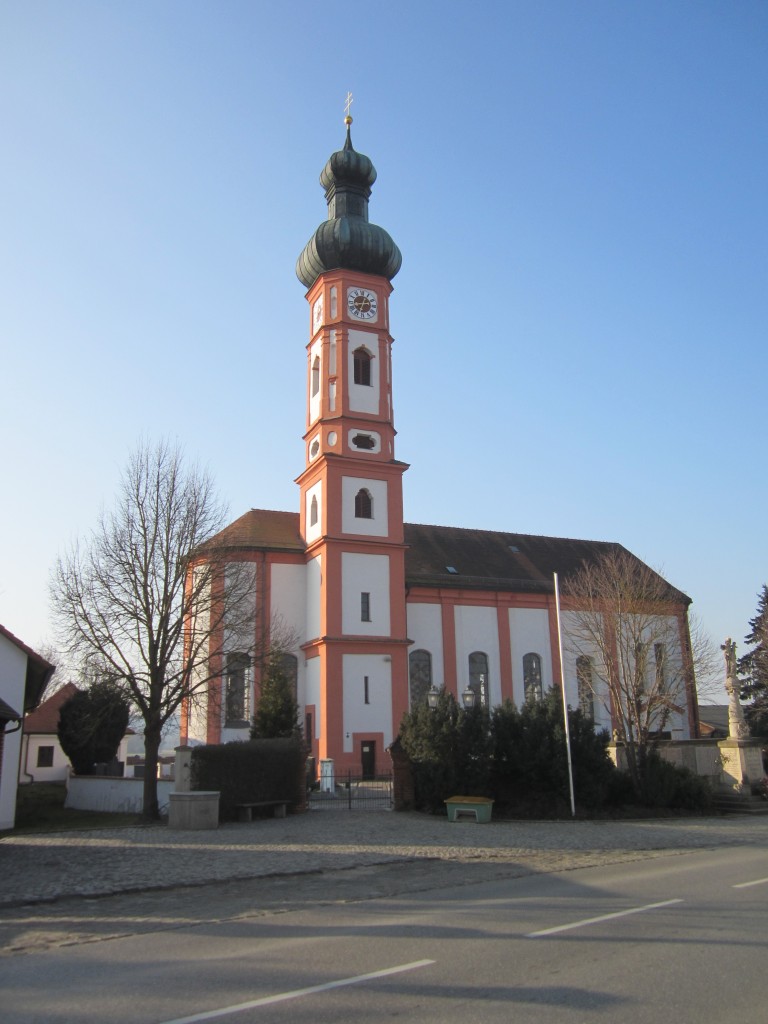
x,y
42,756
24,674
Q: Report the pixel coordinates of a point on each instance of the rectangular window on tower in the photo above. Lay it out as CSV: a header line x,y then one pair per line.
x,y
366,692
365,607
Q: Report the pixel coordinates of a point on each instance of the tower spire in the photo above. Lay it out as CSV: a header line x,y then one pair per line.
x,y
347,240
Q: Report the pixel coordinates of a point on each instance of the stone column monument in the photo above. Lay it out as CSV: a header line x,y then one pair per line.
x,y
740,760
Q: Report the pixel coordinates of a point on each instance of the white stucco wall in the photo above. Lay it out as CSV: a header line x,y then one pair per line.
x,y
30,772
425,628
313,583
368,573
315,352
312,692
378,525
376,716
314,530
362,397
13,671
477,630
529,632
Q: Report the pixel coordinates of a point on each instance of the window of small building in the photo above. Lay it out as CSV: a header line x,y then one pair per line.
x,y
45,757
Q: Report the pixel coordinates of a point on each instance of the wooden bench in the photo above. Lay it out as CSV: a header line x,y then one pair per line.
x,y
245,811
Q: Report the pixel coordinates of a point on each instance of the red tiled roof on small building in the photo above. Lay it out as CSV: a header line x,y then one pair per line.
x,y
45,719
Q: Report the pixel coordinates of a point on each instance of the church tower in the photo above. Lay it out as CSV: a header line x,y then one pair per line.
x,y
351,516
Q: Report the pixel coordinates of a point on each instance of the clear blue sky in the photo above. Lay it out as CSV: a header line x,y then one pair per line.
x,y
579,193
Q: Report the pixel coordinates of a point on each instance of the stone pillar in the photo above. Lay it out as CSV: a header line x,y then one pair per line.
x,y
403,791
741,764
183,770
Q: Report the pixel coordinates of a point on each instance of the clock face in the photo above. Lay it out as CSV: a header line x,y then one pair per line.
x,y
317,313
362,304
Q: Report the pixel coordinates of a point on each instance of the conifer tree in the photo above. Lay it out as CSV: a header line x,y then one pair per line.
x,y
277,711
753,667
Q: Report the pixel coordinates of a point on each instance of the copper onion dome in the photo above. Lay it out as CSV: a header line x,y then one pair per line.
x,y
347,240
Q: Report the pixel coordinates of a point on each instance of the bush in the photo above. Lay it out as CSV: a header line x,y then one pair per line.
x,y
250,771
530,758
277,712
517,757
667,785
91,724
449,752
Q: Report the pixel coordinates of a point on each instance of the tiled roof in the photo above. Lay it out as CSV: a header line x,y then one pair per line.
x,y
45,719
262,529
448,556
7,714
714,718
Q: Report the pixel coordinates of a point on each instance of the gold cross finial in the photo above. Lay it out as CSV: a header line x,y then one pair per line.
x,y
347,105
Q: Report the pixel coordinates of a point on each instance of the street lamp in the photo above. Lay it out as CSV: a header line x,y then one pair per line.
x,y
433,696
468,697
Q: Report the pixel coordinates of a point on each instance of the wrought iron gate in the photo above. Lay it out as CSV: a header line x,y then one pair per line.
x,y
354,793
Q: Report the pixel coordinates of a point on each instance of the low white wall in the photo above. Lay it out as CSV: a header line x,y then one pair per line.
x,y
104,793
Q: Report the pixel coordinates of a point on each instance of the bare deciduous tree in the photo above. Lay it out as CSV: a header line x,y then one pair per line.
x,y
632,626
127,600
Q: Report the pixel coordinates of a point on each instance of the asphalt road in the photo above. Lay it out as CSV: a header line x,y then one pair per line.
x,y
679,937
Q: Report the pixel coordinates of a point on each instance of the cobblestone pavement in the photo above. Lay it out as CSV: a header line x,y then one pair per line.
x,y
102,862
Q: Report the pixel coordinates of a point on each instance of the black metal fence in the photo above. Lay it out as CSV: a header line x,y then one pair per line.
x,y
353,793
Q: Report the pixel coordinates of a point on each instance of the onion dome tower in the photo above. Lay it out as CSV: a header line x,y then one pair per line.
x,y
347,240
351,515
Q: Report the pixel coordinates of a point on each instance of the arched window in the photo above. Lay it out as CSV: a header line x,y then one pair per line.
x,y
532,676
315,376
237,689
313,511
660,661
420,676
584,681
289,666
478,678
363,504
362,366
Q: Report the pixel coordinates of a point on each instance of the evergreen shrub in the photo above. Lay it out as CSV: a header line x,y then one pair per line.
x,y
668,785
250,771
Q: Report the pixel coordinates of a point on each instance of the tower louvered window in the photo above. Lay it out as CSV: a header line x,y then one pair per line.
x,y
363,504
362,366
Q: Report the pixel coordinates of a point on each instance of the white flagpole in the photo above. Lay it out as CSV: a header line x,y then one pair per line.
x,y
565,702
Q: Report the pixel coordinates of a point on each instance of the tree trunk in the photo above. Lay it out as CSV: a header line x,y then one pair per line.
x,y
151,809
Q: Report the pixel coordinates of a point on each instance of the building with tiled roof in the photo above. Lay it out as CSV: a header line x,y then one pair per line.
x,y
384,610
24,674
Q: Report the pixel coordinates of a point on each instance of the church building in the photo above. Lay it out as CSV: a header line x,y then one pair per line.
x,y
384,610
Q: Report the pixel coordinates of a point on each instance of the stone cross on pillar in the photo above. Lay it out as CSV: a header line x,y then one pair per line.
x,y
737,725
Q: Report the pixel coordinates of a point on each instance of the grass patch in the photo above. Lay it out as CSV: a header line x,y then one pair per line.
x,y
40,808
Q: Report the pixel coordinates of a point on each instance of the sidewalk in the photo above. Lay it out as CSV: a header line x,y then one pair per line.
x,y
36,868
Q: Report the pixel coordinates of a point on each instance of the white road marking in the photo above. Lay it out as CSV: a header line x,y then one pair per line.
x,y
746,885
603,917
297,993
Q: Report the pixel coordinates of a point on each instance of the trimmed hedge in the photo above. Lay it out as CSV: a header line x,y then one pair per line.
x,y
250,771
